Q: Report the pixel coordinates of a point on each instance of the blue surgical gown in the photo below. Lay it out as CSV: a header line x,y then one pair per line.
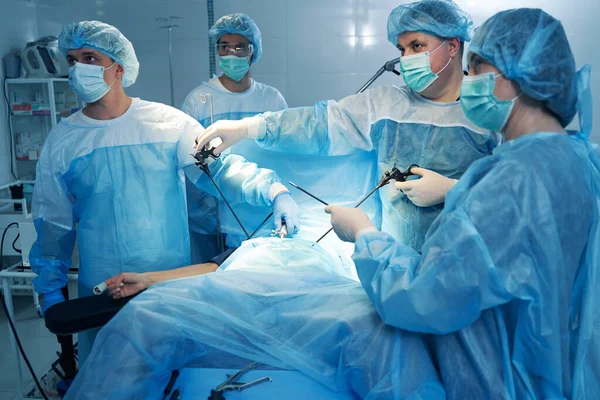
x,y
508,275
204,210
397,124
118,187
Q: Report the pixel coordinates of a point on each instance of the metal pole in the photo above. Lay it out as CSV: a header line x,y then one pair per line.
x,y
171,66
212,64
170,37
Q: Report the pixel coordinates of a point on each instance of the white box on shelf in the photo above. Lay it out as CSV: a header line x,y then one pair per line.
x,y
33,154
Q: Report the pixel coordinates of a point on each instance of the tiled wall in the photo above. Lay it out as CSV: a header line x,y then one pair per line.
x,y
314,52
313,49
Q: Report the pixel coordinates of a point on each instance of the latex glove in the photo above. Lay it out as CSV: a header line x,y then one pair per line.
x,y
284,207
230,132
428,190
349,223
51,299
127,284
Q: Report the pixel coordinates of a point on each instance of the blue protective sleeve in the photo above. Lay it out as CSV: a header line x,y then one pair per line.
x,y
50,255
51,299
240,181
329,127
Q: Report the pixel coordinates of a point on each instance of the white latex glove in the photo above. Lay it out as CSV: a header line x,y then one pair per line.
x,y
349,223
428,190
230,133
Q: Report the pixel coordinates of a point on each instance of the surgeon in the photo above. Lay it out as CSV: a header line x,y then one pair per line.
x,y
422,123
234,95
509,273
111,176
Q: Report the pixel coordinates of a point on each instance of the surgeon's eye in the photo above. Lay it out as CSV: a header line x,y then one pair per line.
x,y
417,47
475,63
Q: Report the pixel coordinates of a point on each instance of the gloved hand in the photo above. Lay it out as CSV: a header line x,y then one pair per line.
x,y
51,299
230,133
349,223
428,190
284,207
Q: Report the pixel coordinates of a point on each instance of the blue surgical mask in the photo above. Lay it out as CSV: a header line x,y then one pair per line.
x,y
234,67
481,106
87,81
416,70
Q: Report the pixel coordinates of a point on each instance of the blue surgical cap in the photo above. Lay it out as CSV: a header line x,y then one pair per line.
x,y
531,48
106,39
441,18
238,24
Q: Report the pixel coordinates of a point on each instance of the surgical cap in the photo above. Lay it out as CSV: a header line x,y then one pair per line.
x,y
531,48
238,24
106,39
441,18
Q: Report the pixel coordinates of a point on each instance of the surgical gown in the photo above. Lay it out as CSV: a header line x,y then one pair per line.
x,y
204,210
117,185
508,275
398,124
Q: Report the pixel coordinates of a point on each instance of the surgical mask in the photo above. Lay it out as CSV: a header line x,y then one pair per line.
x,y
480,104
416,70
234,67
87,81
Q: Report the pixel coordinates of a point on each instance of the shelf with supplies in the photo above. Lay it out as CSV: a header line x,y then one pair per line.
x,y
36,106
27,110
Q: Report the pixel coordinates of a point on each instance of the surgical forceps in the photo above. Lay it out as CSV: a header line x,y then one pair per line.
x,y
202,161
394,174
203,157
310,194
231,383
207,98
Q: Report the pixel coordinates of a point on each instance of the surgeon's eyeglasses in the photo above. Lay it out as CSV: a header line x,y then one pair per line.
x,y
235,49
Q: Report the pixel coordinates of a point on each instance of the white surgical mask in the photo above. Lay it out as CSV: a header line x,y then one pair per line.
x,y
87,81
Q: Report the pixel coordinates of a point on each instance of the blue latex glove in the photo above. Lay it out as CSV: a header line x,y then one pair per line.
x,y
284,207
51,299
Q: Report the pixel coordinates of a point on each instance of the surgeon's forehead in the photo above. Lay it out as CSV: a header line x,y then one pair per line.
x,y
84,52
407,38
233,38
